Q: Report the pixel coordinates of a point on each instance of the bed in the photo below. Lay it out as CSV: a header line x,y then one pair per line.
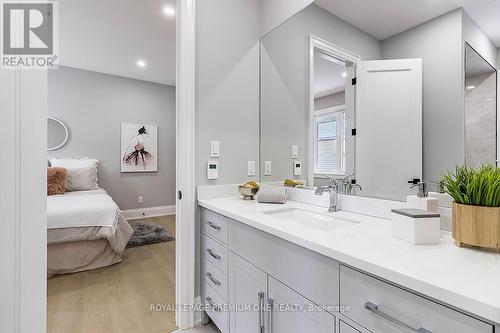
x,y
85,230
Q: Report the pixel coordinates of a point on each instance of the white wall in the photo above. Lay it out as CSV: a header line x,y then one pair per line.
x,y
228,86
93,106
285,82
275,12
439,44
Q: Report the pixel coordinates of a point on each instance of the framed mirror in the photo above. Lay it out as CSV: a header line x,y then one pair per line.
x,y
57,134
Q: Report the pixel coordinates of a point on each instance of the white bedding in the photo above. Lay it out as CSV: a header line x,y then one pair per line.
x,y
82,209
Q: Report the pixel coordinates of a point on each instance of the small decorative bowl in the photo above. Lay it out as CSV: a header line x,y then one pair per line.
x,y
248,192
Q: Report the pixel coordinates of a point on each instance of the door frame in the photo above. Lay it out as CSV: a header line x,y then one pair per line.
x,y
345,55
185,163
23,242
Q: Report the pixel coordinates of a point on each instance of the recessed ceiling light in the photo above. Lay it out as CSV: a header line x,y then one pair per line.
x,y
344,74
471,87
169,11
141,63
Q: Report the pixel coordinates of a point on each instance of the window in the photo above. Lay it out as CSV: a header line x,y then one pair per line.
x,y
329,141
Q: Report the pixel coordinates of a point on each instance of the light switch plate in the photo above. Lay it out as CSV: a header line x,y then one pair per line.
x,y
214,149
295,151
251,168
267,168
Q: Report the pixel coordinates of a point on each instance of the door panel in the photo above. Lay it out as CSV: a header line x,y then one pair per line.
x,y
388,127
306,318
247,291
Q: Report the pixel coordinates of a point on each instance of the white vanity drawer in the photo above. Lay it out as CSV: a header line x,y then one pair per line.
x,y
215,278
219,313
214,252
383,308
214,225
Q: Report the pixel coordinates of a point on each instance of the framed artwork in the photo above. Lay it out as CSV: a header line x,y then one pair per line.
x,y
139,148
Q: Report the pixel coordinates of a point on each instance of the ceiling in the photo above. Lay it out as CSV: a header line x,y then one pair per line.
x,y
385,18
328,77
110,36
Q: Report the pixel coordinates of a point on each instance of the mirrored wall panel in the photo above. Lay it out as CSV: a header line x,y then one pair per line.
x,y
480,110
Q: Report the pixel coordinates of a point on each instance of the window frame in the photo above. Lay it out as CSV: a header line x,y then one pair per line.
x,y
340,109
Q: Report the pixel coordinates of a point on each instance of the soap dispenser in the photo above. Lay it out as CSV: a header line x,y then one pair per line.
x,y
422,200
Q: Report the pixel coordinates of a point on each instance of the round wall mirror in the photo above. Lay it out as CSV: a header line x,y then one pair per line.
x,y
57,134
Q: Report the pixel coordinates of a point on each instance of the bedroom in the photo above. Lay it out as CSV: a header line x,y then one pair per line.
x,y
111,144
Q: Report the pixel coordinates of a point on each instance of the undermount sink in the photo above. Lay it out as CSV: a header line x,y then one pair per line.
x,y
323,222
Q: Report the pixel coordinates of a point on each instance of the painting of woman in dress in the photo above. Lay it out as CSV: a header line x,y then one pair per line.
x,y
139,148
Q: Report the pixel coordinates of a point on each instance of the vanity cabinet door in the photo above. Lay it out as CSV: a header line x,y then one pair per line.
x,y
247,294
289,312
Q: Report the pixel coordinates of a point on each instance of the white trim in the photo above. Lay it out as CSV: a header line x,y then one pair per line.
x,y
66,134
140,213
185,279
337,52
329,110
23,242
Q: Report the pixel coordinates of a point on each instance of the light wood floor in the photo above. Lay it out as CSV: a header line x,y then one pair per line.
x,y
117,299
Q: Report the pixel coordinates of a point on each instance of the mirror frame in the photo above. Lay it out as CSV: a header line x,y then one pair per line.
x,y
65,138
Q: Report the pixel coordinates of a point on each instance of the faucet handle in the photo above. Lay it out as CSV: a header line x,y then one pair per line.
x,y
332,182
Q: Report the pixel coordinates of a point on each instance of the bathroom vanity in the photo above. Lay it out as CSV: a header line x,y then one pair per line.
x,y
343,271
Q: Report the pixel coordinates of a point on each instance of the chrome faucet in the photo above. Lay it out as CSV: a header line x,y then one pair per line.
x,y
333,189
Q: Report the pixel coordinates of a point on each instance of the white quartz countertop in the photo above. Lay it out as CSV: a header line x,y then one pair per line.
x,y
468,279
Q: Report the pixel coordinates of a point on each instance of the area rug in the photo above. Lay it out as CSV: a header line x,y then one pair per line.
x,y
146,233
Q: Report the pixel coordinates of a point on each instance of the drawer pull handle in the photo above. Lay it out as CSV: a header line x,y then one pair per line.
x,y
261,312
271,308
214,255
212,305
213,225
373,308
211,277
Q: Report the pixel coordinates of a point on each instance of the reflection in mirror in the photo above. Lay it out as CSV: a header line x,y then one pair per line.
x,y
402,119
57,134
480,110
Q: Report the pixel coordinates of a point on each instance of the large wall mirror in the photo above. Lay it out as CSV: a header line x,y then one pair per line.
x,y
374,110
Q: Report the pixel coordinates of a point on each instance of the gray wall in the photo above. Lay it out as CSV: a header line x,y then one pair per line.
x,y
439,44
228,86
329,101
93,106
284,84
275,12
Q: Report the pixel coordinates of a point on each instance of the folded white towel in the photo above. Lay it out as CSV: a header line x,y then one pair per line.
x,y
272,194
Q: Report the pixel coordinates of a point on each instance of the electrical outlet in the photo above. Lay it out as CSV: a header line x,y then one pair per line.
x,y
140,200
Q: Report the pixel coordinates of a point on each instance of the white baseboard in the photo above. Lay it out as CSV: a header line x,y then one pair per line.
x,y
140,213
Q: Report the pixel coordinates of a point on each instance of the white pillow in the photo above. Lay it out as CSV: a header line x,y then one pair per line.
x,y
82,173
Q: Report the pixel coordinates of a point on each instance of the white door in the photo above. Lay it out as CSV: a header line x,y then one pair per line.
x,y
388,139
247,288
289,312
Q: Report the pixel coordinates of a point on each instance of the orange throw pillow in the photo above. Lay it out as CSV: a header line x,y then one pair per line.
x,y
56,180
